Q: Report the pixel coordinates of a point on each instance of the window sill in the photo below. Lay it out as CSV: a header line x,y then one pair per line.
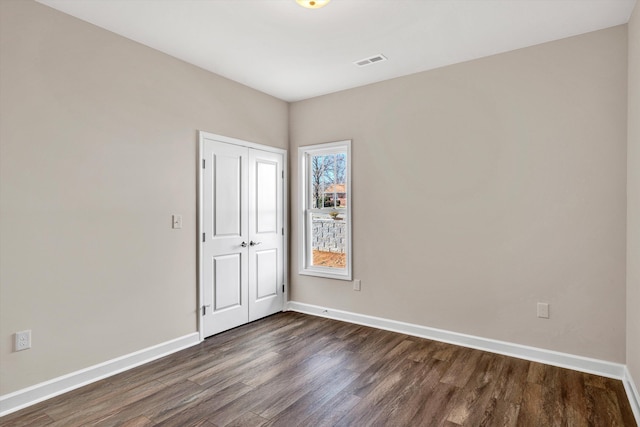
x,y
325,274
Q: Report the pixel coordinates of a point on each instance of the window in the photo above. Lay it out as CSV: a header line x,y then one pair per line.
x,y
325,221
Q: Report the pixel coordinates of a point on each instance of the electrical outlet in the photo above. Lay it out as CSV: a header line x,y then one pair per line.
x,y
23,340
356,284
176,221
543,310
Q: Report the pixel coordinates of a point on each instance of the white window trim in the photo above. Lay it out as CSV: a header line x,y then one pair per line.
x,y
304,253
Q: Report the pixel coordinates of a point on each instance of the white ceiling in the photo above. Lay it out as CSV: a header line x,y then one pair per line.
x,y
293,53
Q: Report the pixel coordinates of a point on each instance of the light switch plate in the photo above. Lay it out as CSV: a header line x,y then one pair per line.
x,y
176,221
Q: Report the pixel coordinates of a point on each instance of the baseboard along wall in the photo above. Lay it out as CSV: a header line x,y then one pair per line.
x,y
31,395
534,354
632,394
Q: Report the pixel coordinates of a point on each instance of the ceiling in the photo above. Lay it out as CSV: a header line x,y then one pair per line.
x,y
293,53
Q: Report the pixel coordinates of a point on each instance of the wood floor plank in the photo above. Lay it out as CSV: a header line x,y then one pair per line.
x,y
474,400
279,370
292,369
605,407
139,421
552,404
511,381
423,350
242,373
447,352
151,404
313,394
403,403
197,408
504,404
381,368
314,380
462,367
531,410
373,403
97,409
499,413
235,363
316,392
59,403
280,392
623,402
249,419
573,396
24,418
332,412
436,407
537,373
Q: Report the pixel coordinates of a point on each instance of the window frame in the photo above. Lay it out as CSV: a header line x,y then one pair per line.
x,y
305,251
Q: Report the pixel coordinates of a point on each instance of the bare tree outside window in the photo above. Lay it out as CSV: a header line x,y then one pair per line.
x,y
321,167
327,172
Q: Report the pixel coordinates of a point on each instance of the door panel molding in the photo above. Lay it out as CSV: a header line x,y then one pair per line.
x,y
225,268
266,181
267,274
227,222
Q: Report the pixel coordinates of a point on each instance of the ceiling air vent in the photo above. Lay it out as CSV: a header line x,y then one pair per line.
x,y
371,60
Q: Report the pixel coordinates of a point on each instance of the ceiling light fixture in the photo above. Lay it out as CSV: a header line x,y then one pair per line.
x,y
313,4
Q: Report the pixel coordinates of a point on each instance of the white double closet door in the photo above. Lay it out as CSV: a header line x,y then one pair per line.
x,y
242,248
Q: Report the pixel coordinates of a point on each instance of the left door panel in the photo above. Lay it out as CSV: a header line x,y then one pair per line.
x,y
225,236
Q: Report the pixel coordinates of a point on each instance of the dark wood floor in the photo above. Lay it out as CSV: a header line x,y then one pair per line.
x,y
296,370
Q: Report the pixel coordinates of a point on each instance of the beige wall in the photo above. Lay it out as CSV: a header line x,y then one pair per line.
x,y
98,149
633,201
483,188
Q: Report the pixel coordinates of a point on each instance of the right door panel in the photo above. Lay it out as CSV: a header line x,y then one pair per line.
x,y
266,222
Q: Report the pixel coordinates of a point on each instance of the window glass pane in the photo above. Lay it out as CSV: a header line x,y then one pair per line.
x,y
328,240
328,177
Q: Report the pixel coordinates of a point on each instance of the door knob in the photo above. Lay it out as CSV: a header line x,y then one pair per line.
x,y
243,244
252,243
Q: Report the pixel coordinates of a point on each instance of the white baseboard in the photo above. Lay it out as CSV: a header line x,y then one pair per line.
x,y
632,393
29,396
549,357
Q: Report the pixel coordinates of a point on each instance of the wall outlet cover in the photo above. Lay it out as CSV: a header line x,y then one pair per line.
x,y
543,310
23,340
